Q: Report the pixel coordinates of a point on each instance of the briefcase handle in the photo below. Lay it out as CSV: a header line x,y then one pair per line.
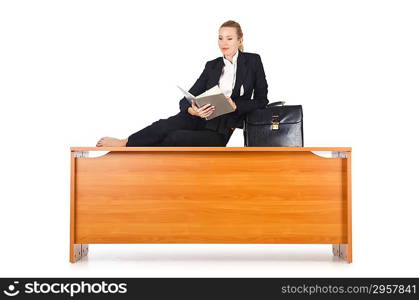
x,y
277,103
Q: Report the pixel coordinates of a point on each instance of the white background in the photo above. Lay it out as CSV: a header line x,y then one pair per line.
x,y
74,71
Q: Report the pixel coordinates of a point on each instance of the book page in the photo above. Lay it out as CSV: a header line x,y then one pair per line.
x,y
215,90
187,95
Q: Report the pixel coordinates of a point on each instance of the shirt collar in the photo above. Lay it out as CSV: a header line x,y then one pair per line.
x,y
226,61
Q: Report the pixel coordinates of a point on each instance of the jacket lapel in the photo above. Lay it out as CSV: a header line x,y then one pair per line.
x,y
240,74
216,73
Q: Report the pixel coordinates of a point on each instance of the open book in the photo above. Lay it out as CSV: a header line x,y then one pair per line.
x,y
215,97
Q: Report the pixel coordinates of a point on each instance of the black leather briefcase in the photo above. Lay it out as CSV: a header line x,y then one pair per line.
x,y
276,125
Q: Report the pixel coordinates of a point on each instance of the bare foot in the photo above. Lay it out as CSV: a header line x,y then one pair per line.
x,y
111,142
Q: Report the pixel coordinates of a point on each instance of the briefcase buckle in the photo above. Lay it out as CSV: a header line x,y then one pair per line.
x,y
275,122
275,126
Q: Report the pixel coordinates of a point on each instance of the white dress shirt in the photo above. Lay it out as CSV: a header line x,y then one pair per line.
x,y
228,75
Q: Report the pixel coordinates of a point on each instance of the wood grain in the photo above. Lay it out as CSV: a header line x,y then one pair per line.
x,y
72,207
348,197
245,195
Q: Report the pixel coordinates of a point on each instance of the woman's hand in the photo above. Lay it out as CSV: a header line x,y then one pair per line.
x,y
203,112
232,103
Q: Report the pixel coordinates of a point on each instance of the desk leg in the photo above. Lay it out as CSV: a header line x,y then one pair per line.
x,y
335,249
78,251
343,251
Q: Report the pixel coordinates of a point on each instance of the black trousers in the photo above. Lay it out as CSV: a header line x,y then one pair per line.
x,y
182,129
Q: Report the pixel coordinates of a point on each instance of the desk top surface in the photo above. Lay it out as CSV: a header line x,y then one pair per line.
x,y
127,149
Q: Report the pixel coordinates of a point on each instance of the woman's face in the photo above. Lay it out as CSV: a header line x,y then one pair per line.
x,y
228,41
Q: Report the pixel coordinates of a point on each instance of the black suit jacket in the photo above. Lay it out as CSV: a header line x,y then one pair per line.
x,y
249,74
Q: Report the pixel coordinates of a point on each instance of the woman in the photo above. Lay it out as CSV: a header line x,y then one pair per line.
x,y
237,73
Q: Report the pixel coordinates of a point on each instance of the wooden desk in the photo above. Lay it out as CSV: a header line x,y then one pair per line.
x,y
261,195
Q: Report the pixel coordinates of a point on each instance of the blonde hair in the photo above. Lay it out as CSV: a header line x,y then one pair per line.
x,y
239,31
